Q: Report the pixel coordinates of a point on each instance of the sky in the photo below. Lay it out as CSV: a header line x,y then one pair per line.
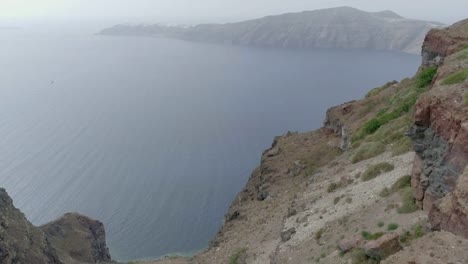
x,y
202,11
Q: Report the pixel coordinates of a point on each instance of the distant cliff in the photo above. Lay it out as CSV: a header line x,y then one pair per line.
x,y
334,28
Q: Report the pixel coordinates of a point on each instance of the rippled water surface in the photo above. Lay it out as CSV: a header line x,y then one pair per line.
x,y
154,137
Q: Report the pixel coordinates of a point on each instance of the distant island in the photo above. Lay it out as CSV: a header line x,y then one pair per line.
x,y
333,28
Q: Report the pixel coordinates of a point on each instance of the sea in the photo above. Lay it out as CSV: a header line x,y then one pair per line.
x,y
152,136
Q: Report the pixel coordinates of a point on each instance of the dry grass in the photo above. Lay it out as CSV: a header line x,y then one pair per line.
x,y
376,169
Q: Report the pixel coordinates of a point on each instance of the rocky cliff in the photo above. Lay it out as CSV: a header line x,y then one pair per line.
x,y
71,239
440,131
334,28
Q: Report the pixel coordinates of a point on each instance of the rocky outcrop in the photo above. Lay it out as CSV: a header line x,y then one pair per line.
x,y
440,133
20,241
451,212
334,123
71,239
383,247
333,28
439,43
78,239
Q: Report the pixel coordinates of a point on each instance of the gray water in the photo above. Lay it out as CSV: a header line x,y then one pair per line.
x,y
154,137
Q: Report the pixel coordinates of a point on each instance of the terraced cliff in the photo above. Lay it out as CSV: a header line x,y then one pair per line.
x,y
352,191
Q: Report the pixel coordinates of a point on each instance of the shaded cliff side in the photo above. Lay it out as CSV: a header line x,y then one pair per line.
x,y
333,28
71,239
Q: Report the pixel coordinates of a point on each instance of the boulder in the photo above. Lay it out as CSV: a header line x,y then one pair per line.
x,y
383,247
349,244
286,235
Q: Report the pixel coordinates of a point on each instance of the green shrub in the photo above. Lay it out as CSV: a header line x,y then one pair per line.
x,y
319,234
385,192
336,200
425,77
333,187
372,125
380,224
368,151
408,236
392,227
371,236
402,183
234,258
466,99
376,169
408,201
456,77
358,256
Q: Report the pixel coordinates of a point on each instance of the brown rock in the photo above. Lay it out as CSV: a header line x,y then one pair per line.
x,y
383,247
346,245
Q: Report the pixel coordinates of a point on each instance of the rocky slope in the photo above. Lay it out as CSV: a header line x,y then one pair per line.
x,y
71,239
335,28
351,192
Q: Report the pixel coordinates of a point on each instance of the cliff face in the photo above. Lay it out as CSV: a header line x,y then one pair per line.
x,y
20,241
440,131
71,239
334,28
78,239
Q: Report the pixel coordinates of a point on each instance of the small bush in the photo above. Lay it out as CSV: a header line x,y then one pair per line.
x,y
456,77
319,234
336,200
392,227
385,192
408,236
234,258
349,200
332,187
402,183
376,169
358,256
466,99
380,224
372,125
425,77
371,236
368,151
408,201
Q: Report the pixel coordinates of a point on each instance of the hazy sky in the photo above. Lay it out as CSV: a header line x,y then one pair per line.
x,y
195,11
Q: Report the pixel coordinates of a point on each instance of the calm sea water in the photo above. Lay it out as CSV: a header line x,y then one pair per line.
x,y
155,137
